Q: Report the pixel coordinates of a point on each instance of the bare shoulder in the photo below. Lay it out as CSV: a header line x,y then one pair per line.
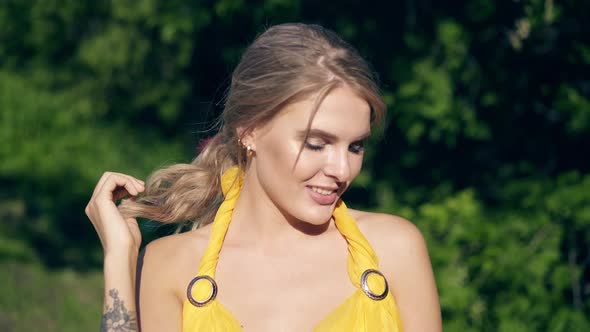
x,y
389,233
170,260
169,264
404,260
178,246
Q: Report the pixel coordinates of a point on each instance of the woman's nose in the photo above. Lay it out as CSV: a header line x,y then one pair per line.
x,y
338,165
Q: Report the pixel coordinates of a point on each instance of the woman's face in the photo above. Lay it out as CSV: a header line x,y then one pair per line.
x,y
306,183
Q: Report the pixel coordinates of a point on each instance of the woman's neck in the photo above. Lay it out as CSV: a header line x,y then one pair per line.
x,y
257,221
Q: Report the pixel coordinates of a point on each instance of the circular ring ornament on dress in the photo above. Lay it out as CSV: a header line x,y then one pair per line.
x,y
367,290
211,296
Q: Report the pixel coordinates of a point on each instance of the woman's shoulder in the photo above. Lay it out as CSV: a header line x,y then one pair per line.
x,y
403,259
398,243
173,260
165,268
386,229
175,246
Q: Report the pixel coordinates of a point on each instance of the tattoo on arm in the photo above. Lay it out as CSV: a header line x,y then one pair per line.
x,y
118,318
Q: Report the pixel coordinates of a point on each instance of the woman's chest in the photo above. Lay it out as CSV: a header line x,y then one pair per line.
x,y
283,293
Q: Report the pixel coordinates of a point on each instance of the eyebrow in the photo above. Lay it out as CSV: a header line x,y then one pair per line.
x,y
326,135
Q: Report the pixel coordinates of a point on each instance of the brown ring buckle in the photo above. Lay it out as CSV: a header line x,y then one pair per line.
x,y
211,297
365,286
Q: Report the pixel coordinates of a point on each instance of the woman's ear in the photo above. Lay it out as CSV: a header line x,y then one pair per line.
x,y
247,138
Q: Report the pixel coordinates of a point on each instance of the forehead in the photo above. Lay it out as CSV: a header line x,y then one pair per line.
x,y
342,113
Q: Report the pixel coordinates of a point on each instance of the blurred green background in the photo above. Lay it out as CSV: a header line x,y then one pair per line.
x,y
485,146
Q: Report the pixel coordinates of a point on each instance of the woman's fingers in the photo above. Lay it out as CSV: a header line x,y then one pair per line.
x,y
122,192
101,182
113,232
139,185
109,183
114,185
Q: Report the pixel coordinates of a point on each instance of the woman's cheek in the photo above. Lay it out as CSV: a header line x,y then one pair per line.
x,y
356,164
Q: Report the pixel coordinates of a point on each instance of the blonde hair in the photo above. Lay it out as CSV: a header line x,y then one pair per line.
x,y
285,64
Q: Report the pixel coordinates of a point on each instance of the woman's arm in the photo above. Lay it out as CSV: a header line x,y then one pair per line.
x,y
120,239
159,309
119,312
404,260
414,284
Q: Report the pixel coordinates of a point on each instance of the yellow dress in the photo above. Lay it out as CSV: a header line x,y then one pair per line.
x,y
370,308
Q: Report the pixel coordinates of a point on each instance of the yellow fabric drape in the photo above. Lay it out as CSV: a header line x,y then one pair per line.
x,y
357,313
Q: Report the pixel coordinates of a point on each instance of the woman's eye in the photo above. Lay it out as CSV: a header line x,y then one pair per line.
x,y
314,147
357,147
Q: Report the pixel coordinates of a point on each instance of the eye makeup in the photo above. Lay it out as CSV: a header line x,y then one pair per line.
x,y
316,140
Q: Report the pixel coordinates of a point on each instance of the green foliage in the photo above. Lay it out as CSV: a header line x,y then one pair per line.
x,y
34,298
484,147
55,150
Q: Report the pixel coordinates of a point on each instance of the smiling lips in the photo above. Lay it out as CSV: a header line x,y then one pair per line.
x,y
323,196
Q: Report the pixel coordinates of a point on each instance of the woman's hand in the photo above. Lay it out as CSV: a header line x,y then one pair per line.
x,y
116,234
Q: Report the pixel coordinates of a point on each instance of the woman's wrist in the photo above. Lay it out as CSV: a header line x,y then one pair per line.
x,y
121,262
122,253
119,287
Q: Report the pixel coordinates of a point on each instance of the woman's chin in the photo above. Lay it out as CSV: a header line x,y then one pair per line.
x,y
318,215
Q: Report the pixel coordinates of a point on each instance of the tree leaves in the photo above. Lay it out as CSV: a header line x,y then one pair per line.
x,y
484,147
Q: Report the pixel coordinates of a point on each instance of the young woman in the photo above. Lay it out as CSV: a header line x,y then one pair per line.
x,y
272,247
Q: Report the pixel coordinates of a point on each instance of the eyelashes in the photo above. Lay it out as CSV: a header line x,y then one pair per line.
x,y
313,147
356,147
